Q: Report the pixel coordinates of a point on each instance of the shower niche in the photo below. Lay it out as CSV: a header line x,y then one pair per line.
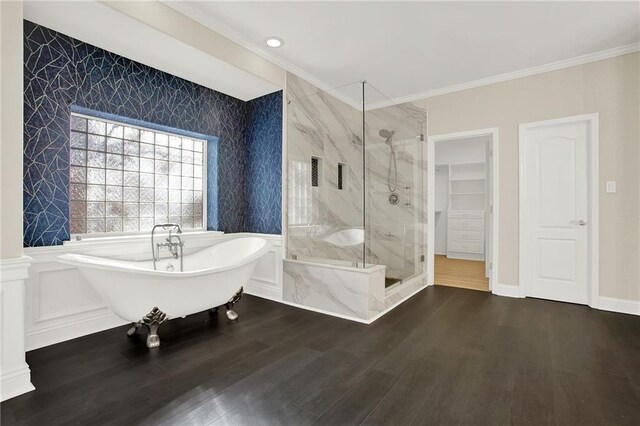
x,y
355,241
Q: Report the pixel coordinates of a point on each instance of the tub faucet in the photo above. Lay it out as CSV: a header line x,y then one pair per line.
x,y
173,243
173,246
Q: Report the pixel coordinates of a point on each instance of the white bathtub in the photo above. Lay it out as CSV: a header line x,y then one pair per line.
x,y
211,277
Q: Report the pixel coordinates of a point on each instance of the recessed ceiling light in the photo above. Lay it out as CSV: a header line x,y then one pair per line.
x,y
274,42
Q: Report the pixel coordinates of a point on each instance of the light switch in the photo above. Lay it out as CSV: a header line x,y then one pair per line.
x,y
611,187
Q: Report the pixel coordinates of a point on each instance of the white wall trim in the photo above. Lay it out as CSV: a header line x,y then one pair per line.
x,y
15,382
431,210
507,290
73,329
553,66
258,289
623,306
15,376
494,134
15,268
593,201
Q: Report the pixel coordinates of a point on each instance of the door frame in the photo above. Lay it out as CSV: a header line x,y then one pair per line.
x,y
593,202
494,198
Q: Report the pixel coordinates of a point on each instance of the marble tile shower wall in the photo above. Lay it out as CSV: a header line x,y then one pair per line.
x,y
322,126
319,125
61,72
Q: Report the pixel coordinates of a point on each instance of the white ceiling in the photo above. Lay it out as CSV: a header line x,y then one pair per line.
x,y
410,49
94,22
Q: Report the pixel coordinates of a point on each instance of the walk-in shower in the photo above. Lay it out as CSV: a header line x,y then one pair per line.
x,y
355,198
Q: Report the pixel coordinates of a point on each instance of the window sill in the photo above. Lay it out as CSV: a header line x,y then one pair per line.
x,y
99,240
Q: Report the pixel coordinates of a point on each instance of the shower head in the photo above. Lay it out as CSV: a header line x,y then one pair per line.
x,y
387,134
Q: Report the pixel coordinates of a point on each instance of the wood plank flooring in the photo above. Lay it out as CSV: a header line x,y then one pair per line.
x,y
469,274
447,356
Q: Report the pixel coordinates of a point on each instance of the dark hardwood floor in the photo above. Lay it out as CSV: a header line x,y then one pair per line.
x,y
447,356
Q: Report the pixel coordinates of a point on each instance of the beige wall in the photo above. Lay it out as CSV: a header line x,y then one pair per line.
x,y
11,129
611,88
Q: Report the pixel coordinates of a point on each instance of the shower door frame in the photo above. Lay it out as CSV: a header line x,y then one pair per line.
x,y
494,198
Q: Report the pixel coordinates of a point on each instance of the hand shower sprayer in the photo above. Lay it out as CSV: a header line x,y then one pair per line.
x,y
388,135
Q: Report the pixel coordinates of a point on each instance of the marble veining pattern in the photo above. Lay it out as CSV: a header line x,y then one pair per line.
x,y
358,294
320,125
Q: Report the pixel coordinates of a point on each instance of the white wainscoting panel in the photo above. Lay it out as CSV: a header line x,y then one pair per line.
x,y
61,305
15,375
266,281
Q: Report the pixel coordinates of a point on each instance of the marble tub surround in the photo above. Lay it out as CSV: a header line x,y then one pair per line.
x,y
354,293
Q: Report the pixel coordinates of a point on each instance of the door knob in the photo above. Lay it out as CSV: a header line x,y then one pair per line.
x,y
580,222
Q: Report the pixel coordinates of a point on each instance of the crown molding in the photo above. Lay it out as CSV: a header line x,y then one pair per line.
x,y
228,32
553,66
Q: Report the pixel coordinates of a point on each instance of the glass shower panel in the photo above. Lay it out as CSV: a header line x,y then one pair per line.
x,y
325,163
395,174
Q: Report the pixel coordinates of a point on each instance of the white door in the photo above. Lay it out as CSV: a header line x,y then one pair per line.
x,y
554,210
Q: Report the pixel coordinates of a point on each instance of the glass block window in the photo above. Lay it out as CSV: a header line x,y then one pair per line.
x,y
125,179
300,194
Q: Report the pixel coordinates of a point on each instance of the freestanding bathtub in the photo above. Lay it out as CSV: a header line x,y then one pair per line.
x,y
136,292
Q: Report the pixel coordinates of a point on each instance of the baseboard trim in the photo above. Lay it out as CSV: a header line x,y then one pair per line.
x,y
507,290
622,306
16,382
51,335
610,304
265,291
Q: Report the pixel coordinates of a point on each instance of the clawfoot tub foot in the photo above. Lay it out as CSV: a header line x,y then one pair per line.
x,y
231,314
136,327
154,320
153,340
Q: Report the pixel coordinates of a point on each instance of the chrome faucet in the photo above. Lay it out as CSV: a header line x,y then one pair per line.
x,y
173,243
173,246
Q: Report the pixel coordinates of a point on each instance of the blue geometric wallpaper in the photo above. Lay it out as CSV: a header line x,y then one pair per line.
x,y
263,164
62,73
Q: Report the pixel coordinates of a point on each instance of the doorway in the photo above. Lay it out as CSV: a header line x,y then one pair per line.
x,y
558,209
461,205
